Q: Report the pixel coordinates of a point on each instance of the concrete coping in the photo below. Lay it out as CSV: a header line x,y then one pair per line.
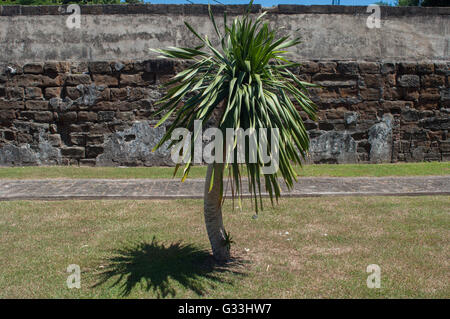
x,y
199,9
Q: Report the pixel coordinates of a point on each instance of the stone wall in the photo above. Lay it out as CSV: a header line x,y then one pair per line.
x,y
384,98
111,32
97,113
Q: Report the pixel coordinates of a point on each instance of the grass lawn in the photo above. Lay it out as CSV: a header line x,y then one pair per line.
x,y
341,170
305,247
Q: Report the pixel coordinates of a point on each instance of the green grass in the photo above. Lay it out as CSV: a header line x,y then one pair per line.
x,y
341,170
302,248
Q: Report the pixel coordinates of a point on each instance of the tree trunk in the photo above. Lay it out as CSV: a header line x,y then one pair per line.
x,y
213,212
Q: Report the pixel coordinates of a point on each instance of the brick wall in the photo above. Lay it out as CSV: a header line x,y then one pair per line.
x,y
97,113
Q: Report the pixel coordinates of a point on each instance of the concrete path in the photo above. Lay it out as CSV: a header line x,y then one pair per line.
x,y
56,189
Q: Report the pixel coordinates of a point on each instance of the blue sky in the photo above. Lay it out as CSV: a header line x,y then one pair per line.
x,y
269,3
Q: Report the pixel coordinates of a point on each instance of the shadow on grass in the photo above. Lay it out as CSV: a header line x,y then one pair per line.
x,y
153,265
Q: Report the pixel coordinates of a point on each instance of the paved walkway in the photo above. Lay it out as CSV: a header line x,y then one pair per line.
x,y
56,189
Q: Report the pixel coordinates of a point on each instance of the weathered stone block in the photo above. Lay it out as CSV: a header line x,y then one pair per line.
x,y
388,67
15,93
11,105
410,94
106,106
9,135
425,68
444,146
359,135
304,77
310,125
99,67
414,134
445,97
94,139
56,67
78,138
370,94
7,116
351,118
409,81
328,80
389,80
86,116
73,92
89,95
333,147
76,79
106,116
73,151
433,81
120,151
430,94
309,67
125,116
391,93
407,68
160,66
335,114
28,80
127,106
372,80
137,93
92,151
52,92
327,67
432,123
33,68
348,68
118,94
139,66
380,139
363,146
24,138
38,116
140,79
61,105
37,105
326,126
369,67
106,80
119,66
348,92
79,67
68,117
33,93
442,68
55,140
409,115
99,128
44,116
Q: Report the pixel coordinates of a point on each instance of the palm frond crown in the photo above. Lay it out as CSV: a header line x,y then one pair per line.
x,y
250,79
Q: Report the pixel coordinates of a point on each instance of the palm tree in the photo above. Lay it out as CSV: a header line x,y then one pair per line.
x,y
246,83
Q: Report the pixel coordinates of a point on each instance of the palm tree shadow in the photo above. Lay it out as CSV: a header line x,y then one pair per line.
x,y
153,265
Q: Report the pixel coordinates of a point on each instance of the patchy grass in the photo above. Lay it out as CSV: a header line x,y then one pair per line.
x,y
341,170
302,248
